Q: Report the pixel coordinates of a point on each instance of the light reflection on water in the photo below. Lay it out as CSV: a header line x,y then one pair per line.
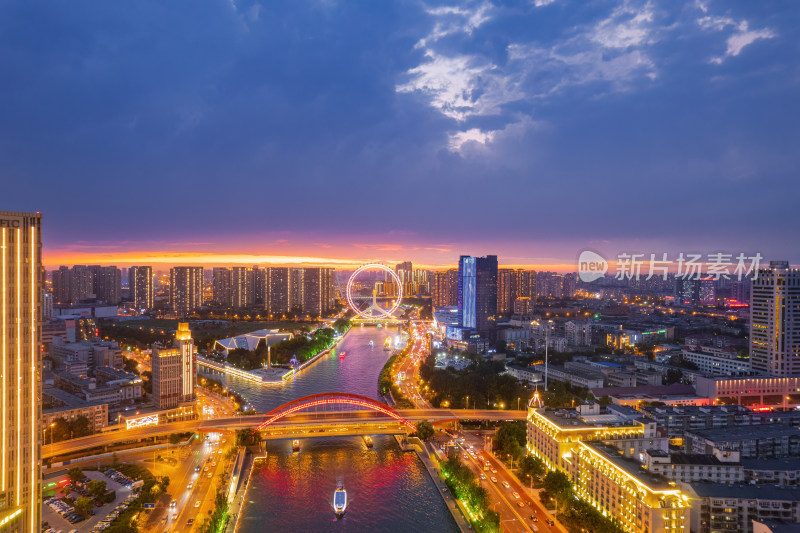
x,y
388,490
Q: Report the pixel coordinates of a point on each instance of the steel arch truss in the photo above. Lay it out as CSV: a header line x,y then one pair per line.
x,y
332,398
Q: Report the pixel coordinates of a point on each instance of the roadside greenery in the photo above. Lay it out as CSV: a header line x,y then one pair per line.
x,y
464,486
575,514
424,431
247,437
510,440
386,384
216,522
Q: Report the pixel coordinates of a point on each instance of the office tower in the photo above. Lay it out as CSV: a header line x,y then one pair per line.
x,y
317,290
241,287
221,286
140,283
185,289
278,298
185,344
106,283
477,292
687,291
20,379
296,288
166,369
775,320
444,291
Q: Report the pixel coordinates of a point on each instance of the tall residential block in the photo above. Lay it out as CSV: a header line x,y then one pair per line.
x,y
242,293
775,320
185,289
140,283
318,290
278,299
221,286
20,375
106,283
444,291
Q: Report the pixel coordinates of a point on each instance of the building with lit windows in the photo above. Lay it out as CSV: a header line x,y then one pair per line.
x,y
140,283
477,293
775,320
221,286
754,391
185,289
277,296
444,291
598,456
20,376
166,365
242,287
718,507
185,345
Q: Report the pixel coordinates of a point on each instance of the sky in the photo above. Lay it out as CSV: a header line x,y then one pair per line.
x,y
341,132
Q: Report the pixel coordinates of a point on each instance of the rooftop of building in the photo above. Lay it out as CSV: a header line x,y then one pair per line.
x,y
117,374
695,409
784,463
676,389
578,372
748,492
697,459
250,341
760,431
69,400
779,527
571,418
631,467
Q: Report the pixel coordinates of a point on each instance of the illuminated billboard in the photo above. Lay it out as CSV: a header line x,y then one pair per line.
x,y
142,421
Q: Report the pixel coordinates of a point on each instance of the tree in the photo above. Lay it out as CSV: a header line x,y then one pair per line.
x,y
174,438
510,439
59,430
80,427
531,467
165,482
558,485
425,430
341,325
130,365
75,474
673,376
84,506
96,487
247,437
605,401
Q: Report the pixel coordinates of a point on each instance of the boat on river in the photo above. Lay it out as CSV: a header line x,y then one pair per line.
x,y
340,501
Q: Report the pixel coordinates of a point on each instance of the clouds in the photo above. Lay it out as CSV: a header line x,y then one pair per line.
x,y
356,121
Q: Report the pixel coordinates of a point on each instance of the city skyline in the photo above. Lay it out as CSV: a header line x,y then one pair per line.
x,y
644,126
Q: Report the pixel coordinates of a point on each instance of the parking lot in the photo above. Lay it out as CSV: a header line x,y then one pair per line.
x,y
59,523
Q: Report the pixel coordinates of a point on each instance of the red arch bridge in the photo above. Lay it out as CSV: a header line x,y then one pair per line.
x,y
318,415
333,414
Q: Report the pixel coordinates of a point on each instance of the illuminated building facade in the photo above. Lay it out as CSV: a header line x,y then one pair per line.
x,y
775,320
185,344
753,391
140,283
598,458
317,290
221,286
20,356
166,364
444,291
277,291
477,292
185,289
242,288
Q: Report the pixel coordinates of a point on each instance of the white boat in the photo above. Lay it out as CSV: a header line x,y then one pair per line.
x,y
340,501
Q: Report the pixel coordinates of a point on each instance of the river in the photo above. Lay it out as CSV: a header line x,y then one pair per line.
x,y
388,490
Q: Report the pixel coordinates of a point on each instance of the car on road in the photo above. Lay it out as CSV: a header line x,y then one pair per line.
x,y
494,479
197,469
190,522
173,503
483,477
550,522
506,485
494,470
189,486
197,504
516,495
534,518
520,503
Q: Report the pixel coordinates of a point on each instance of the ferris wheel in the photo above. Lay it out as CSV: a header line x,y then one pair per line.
x,y
369,296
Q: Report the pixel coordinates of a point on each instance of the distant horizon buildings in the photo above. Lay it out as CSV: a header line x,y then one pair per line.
x,y
140,286
185,289
21,376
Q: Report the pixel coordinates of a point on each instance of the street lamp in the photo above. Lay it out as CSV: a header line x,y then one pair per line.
x,y
467,401
518,404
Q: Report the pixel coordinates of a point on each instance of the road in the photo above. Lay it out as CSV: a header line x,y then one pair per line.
x,y
513,518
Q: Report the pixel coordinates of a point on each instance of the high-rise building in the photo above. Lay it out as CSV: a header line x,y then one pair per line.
x,y
185,289
166,376
221,286
140,283
241,287
259,284
296,284
20,379
775,320
317,290
72,285
106,283
506,290
278,299
403,271
445,288
185,345
477,292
